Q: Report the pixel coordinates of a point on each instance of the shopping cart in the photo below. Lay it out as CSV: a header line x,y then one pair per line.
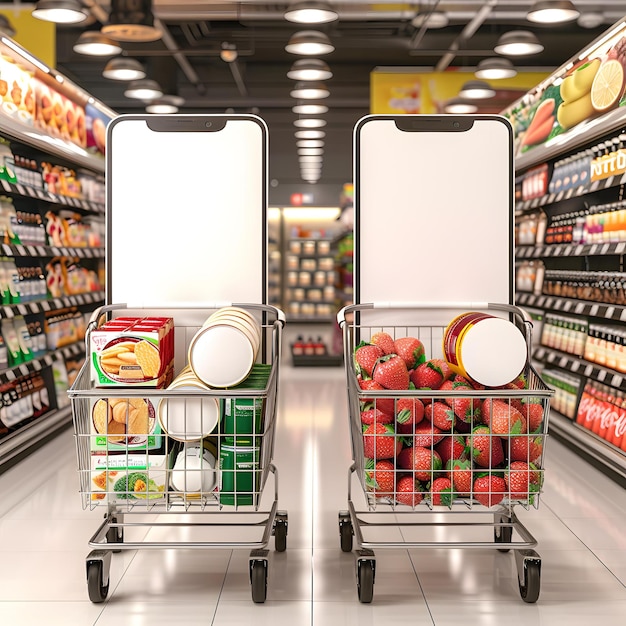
x,y
134,473
440,519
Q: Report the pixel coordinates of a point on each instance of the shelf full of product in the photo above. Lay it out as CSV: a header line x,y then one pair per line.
x,y
570,244
51,244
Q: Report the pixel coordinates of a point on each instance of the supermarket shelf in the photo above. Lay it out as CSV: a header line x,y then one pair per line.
x,y
297,319
43,306
36,365
39,194
586,443
326,360
570,249
51,251
612,312
31,434
577,365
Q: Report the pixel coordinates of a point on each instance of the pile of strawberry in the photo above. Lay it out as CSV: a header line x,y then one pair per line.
x,y
486,449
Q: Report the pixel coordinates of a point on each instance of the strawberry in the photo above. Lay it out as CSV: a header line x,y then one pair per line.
x,y
522,480
423,461
440,415
525,448
504,419
485,449
431,374
390,371
386,405
411,350
365,357
489,489
533,412
516,403
382,479
459,471
369,416
426,435
468,381
384,341
380,441
451,447
520,382
409,491
441,492
465,408
409,412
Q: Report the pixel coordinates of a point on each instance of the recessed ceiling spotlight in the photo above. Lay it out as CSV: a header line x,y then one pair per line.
x,y
476,90
457,105
313,108
552,12
124,68
311,13
309,43
144,89
93,43
60,11
309,122
518,43
310,134
432,19
495,68
309,90
309,69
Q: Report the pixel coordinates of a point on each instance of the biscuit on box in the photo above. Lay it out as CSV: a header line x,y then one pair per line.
x,y
148,358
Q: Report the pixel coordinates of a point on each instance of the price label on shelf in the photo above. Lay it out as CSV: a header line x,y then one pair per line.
x,y
575,366
593,249
610,312
568,305
605,248
588,370
541,300
580,307
601,375
578,251
617,381
559,196
45,305
620,247
594,310
22,310
36,365
550,198
563,362
6,186
31,192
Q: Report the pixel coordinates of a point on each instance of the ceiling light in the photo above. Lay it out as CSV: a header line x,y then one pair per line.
x,y
590,20
165,105
123,68
458,105
552,12
313,108
310,143
310,134
95,44
60,11
311,170
518,43
310,151
309,43
6,27
144,89
130,20
309,69
476,90
309,122
311,13
228,53
495,68
310,90
432,19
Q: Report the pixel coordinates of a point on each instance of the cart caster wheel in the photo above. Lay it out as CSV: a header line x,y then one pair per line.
x,y
115,535
258,580
280,532
503,534
365,580
345,534
98,591
531,585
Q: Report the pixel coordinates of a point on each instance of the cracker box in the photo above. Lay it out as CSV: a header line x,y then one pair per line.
x,y
133,351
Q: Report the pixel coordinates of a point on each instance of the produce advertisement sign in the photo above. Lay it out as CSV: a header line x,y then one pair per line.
x,y
591,88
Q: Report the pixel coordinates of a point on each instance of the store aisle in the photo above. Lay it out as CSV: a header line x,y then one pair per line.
x,y
44,531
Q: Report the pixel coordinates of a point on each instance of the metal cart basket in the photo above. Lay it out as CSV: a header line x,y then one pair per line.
x,y
424,516
221,475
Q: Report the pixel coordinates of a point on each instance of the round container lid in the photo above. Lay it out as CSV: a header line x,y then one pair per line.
x,y
493,352
221,356
189,419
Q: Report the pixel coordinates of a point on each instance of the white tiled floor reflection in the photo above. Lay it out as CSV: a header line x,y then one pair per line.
x,y
44,532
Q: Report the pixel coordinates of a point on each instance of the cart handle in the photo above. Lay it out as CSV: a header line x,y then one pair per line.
x,y
468,306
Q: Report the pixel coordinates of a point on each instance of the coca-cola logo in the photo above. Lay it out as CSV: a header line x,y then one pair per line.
x,y
620,425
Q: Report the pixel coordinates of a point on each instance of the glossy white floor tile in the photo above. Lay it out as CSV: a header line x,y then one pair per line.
x,y
44,533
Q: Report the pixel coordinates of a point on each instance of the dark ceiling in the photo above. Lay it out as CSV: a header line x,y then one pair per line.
x,y
186,60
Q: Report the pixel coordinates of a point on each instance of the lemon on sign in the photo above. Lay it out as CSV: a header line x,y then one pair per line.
x,y
608,85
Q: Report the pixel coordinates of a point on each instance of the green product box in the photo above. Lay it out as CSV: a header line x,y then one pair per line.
x,y
239,474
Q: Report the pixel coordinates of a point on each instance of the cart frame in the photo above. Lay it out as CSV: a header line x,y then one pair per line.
x,y
502,518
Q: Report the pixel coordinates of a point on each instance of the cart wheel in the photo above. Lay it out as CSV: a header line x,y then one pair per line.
x,y
365,580
345,534
503,534
95,582
530,587
258,580
280,534
115,535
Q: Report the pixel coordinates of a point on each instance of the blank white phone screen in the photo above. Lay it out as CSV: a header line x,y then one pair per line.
x,y
186,214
